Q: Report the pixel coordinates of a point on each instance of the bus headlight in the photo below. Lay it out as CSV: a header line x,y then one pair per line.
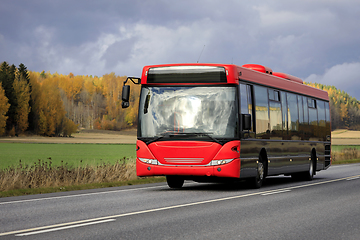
x,y
220,162
149,161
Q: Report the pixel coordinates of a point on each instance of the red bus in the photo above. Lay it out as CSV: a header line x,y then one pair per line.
x,y
221,122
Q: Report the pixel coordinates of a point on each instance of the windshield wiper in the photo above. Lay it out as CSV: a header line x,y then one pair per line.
x,y
173,133
200,134
162,135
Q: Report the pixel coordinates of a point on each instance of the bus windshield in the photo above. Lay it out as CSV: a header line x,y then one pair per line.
x,y
201,112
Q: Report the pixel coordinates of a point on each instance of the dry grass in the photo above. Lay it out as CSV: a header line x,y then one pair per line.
x,y
345,141
84,136
42,174
344,133
345,154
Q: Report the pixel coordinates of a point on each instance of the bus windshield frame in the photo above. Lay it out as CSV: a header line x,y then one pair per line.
x,y
207,113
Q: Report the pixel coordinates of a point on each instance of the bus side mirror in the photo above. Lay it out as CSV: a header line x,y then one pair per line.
x,y
246,122
125,96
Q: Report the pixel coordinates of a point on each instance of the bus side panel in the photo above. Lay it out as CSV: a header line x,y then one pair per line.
x,y
288,157
320,154
249,155
283,157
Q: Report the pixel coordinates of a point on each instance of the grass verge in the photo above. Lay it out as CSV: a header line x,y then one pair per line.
x,y
42,177
31,191
345,154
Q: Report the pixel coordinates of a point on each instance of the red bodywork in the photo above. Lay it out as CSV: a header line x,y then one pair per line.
x,y
288,76
234,73
193,158
259,68
188,158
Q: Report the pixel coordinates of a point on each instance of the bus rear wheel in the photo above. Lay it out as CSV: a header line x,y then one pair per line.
x,y
174,181
308,175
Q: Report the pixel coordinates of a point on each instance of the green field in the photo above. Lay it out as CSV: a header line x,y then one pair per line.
x,y
72,154
338,148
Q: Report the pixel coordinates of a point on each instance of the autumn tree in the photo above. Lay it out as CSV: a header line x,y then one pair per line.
x,y
39,120
4,106
50,119
22,93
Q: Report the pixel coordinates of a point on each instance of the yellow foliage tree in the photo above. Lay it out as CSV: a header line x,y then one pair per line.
x,y
4,106
87,101
52,106
22,93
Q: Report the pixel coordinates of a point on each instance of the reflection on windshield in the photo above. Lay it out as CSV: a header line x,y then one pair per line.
x,y
210,110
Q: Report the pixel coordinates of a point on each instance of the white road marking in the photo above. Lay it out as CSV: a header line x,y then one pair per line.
x,y
174,206
349,179
79,195
275,192
62,228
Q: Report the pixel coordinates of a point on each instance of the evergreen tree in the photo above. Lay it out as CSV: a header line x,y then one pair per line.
x,y
7,77
23,72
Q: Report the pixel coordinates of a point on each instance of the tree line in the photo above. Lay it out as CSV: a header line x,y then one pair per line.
x,y
57,105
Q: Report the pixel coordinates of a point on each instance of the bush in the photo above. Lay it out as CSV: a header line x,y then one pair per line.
x,y
345,154
69,127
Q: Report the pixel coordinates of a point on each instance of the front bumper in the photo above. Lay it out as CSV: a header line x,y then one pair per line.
x,y
231,170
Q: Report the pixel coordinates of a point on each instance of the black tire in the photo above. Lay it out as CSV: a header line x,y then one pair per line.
x,y
309,174
174,181
258,180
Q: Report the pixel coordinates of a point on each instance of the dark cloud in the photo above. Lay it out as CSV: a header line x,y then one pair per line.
x,y
97,37
118,52
343,76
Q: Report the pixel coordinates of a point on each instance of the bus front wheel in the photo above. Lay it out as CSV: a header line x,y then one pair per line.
x,y
174,181
258,180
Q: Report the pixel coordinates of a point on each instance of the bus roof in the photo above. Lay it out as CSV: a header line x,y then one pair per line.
x,y
234,73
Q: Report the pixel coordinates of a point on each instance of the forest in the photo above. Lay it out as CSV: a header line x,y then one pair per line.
x,y
59,105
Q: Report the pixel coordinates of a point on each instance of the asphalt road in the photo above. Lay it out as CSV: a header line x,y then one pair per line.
x,y
326,208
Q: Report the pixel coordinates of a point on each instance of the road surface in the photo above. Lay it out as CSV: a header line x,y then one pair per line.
x,y
326,208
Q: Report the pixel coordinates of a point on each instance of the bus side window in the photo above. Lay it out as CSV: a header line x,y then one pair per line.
x,y
313,120
306,126
322,120
293,116
301,117
275,114
243,99
327,114
284,115
262,112
246,106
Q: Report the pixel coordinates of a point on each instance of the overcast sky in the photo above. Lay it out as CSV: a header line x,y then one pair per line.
x,y
316,40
